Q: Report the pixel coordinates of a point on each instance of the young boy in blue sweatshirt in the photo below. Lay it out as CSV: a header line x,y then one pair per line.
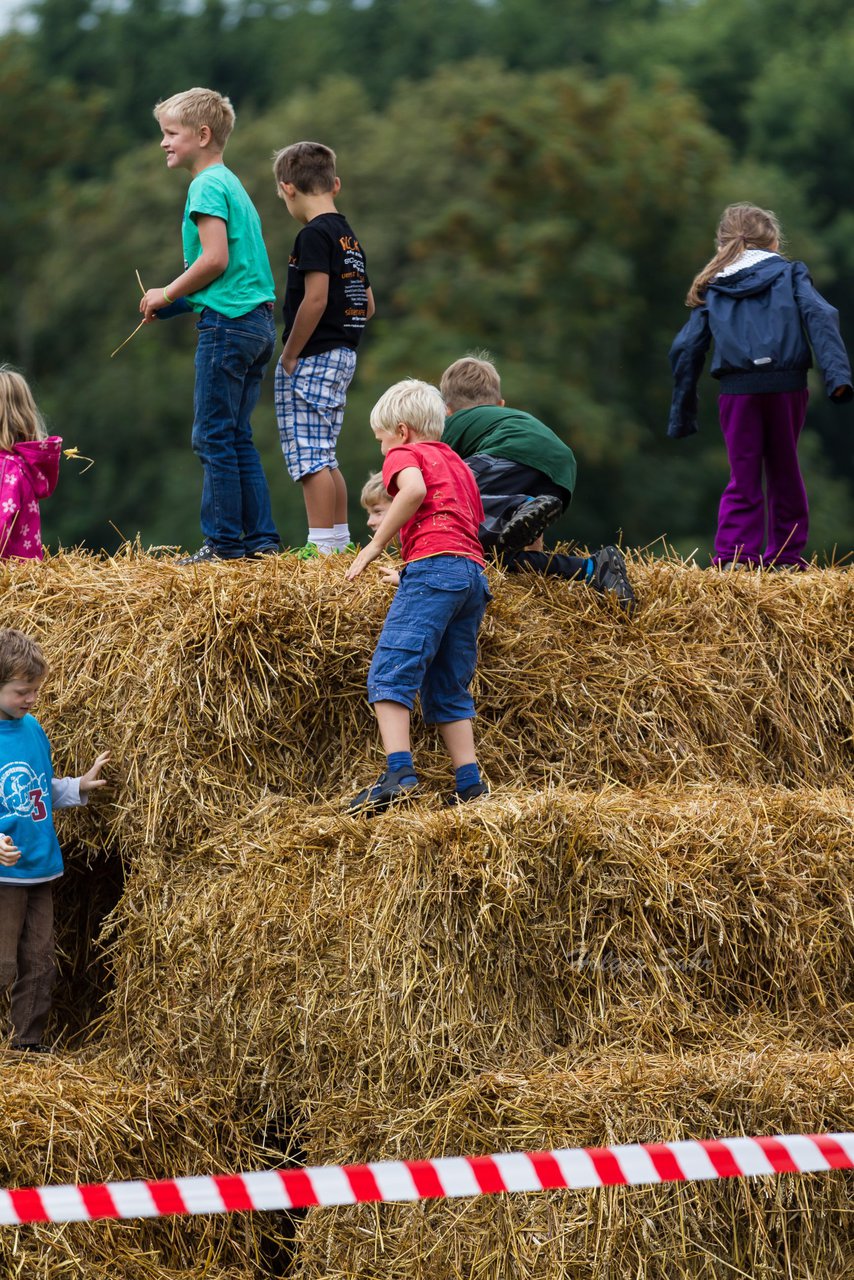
x,y
30,857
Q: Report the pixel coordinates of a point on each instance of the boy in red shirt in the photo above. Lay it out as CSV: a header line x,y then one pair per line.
x,y
428,643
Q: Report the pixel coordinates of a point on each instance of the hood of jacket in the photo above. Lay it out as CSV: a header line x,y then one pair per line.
x,y
40,460
750,280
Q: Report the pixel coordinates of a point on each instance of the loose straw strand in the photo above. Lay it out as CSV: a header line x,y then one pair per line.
x,y
138,327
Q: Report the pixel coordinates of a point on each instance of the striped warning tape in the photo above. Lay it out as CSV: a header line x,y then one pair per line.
x,y
406,1180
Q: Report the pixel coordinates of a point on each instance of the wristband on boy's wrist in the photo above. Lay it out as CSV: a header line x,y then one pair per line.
x,y
168,299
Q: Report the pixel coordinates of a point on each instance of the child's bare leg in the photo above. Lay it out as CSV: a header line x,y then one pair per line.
x,y
393,722
340,496
399,776
458,737
320,497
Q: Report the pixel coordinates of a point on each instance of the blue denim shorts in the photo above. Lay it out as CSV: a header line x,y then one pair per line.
x,y
428,644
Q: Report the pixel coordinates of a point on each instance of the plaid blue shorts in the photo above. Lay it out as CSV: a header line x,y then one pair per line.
x,y
310,409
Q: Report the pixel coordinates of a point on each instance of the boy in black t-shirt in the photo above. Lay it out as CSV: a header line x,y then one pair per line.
x,y
328,302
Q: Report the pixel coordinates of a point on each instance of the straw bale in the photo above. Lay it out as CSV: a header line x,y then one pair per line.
x,y
215,685
796,1226
308,957
646,929
69,1121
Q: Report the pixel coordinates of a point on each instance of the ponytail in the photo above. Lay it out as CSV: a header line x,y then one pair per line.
x,y
742,226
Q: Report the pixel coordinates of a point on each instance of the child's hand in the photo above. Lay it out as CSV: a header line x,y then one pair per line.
x,y
151,302
9,853
390,575
363,559
90,779
840,392
288,363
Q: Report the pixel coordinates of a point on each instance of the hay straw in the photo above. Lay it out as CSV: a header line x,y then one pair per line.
x,y
792,1226
127,339
303,957
81,1121
213,686
645,930
138,327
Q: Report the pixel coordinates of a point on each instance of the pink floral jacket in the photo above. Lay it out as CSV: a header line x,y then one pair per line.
x,y
28,473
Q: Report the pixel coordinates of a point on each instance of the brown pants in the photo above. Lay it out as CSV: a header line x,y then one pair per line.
x,y
26,956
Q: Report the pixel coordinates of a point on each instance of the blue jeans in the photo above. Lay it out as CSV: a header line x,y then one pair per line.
x,y
230,361
428,644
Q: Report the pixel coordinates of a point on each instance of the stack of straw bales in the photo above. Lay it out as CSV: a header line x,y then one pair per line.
x,y
644,933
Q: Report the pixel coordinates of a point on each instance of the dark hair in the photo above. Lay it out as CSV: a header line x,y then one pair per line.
x,y
310,166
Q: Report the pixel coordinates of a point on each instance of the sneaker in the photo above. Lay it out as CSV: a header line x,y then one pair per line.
x,y
389,786
609,575
528,522
204,555
31,1048
474,792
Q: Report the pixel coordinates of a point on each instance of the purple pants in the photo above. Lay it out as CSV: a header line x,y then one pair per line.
x,y
761,432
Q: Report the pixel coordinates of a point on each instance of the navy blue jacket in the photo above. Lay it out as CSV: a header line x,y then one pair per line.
x,y
763,320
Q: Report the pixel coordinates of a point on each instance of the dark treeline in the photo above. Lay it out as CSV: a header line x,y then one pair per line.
x,y
538,177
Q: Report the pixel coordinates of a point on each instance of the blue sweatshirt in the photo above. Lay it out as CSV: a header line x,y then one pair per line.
x,y
28,794
763,320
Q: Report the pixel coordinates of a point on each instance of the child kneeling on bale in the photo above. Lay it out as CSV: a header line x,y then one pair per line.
x,y
428,644
30,857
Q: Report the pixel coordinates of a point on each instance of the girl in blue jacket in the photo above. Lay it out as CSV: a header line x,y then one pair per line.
x,y
763,315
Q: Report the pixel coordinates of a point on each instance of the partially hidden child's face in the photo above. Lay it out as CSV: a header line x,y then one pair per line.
x,y
376,511
18,697
388,440
182,144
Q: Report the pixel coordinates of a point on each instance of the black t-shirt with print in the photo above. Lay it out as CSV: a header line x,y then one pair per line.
x,y
328,244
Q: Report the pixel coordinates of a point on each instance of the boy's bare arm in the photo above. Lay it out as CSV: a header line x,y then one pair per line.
x,y
411,491
307,318
210,264
372,306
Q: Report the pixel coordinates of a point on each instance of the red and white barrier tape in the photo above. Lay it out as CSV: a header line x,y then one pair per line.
x,y
403,1180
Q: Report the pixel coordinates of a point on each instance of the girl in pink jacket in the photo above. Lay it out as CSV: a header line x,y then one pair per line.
x,y
29,467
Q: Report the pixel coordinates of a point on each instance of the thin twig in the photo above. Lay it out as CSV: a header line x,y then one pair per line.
x,y
127,339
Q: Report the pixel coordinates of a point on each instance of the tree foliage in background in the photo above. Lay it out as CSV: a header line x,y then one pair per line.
x,y
538,178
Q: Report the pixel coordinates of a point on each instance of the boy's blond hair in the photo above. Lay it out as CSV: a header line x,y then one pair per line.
x,y
20,657
418,405
470,381
19,415
309,166
196,107
374,491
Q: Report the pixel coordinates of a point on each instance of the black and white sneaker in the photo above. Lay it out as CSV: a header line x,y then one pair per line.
x,y
610,577
205,555
528,522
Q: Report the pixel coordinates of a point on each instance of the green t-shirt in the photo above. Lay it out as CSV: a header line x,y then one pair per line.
x,y
509,433
247,280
